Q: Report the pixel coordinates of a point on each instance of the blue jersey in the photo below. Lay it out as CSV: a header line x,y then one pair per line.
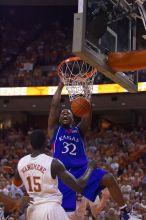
x,y
69,148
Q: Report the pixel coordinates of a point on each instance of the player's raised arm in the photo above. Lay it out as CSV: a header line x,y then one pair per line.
x,y
54,110
85,122
58,169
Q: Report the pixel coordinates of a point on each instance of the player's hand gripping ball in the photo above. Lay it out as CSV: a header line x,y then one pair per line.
x,y
80,106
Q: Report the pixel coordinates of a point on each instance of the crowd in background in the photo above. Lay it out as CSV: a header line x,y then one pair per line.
x,y
120,151
36,65
30,53
14,39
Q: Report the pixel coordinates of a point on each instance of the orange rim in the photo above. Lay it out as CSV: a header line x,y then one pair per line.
x,y
86,76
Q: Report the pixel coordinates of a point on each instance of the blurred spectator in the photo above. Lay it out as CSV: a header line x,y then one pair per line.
x,y
111,214
110,147
37,44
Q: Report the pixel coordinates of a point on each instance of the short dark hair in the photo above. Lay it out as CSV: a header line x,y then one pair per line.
x,y
38,139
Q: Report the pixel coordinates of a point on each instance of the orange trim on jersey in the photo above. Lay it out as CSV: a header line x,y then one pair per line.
x,y
16,182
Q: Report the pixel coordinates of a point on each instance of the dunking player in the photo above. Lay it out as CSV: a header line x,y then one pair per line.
x,y
38,172
68,144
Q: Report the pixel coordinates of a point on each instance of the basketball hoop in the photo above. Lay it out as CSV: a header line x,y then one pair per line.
x,y
78,77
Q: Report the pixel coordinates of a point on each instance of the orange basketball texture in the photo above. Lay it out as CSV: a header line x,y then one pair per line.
x,y
80,106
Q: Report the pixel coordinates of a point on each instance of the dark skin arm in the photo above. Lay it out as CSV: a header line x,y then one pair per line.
x,y
58,169
54,110
85,123
86,119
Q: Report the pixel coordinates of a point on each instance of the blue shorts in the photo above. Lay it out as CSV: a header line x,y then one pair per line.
x,y
91,190
69,197
93,187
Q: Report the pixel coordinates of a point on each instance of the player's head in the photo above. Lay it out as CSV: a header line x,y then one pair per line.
x,y
66,117
38,139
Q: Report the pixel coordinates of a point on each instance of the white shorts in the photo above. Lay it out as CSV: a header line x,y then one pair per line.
x,y
46,211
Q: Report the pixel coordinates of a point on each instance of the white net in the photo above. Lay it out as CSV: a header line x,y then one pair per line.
x,y
78,77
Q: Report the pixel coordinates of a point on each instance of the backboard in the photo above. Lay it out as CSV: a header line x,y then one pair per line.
x,y
101,26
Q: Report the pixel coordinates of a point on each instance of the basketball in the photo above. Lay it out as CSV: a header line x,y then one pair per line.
x,y
80,106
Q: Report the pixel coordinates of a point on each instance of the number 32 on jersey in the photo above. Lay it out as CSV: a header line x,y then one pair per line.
x,y
69,148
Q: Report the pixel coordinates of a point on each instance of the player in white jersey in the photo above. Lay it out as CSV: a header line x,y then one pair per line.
x,y
39,173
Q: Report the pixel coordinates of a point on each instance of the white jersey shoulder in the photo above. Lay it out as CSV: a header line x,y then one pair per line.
x,y
35,173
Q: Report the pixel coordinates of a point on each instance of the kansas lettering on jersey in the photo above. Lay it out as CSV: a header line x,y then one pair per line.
x,y
35,173
68,147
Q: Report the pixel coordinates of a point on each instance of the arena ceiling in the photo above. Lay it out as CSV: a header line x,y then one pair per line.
x,y
38,2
